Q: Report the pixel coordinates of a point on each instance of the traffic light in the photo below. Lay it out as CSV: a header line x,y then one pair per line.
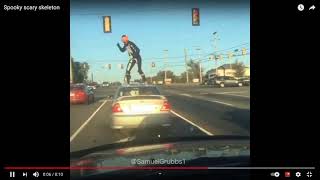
x,y
153,64
109,66
195,17
244,51
107,24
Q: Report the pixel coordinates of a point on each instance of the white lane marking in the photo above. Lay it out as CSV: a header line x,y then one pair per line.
x,y
87,121
186,95
228,92
215,101
237,95
220,102
125,139
202,129
204,93
104,100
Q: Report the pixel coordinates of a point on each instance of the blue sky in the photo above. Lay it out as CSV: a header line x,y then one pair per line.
x,y
155,27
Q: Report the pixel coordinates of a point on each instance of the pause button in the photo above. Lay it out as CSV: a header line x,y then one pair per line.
x,y
12,174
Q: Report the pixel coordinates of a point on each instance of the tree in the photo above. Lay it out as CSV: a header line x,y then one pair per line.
x,y
80,71
239,68
194,72
183,77
160,76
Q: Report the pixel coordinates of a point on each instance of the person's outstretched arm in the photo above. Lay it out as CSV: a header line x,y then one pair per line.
x,y
122,49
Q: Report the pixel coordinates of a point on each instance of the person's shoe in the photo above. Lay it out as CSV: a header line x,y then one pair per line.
x,y
128,77
143,79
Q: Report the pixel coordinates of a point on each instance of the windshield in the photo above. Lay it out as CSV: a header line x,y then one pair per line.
x,y
164,70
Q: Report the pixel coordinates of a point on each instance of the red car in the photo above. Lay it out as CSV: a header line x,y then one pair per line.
x,y
81,94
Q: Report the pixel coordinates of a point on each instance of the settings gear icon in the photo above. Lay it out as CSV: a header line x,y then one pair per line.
x,y
298,174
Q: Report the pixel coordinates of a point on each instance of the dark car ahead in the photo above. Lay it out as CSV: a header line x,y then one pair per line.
x,y
223,81
81,93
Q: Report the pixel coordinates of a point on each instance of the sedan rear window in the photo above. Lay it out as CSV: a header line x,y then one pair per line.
x,y
138,91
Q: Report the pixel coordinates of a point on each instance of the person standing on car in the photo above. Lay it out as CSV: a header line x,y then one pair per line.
x,y
134,54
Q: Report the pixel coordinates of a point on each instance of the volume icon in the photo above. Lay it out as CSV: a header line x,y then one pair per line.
x,y
36,174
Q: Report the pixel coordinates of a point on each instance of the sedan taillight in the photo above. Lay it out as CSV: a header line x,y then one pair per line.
x,y
166,106
116,108
79,93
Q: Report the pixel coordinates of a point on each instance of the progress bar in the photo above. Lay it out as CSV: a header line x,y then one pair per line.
x,y
261,168
153,168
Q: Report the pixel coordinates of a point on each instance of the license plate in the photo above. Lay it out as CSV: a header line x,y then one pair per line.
x,y
142,108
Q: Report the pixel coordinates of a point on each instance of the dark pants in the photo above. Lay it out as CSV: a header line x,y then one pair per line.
x,y
130,65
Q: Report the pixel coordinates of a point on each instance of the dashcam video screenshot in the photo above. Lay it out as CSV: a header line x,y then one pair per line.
x,y
158,89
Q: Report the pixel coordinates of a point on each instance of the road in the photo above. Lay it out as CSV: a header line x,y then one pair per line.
x,y
196,110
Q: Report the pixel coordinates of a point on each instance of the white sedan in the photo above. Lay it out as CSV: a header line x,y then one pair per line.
x,y
136,106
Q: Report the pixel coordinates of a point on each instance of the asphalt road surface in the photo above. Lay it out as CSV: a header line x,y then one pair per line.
x,y
196,111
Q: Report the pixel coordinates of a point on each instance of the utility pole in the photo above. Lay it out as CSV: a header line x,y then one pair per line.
x,y
185,59
71,69
200,68
92,77
165,65
151,72
215,49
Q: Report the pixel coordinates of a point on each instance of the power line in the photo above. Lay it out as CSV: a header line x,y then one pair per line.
x,y
172,57
204,59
